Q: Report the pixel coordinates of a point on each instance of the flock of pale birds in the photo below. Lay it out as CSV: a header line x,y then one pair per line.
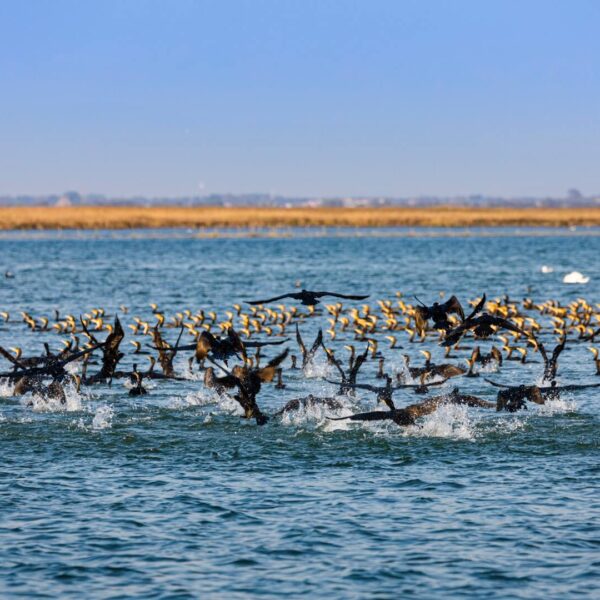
x,y
230,350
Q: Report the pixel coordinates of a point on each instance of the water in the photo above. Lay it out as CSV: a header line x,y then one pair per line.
x,y
174,496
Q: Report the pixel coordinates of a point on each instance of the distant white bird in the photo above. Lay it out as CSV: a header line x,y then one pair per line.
x,y
575,277
546,269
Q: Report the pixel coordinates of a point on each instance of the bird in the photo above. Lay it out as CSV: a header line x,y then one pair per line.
x,y
309,401
483,326
550,362
138,389
307,297
409,414
308,355
384,393
438,313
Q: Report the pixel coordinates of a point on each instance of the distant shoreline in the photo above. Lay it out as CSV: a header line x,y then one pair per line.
x,y
129,217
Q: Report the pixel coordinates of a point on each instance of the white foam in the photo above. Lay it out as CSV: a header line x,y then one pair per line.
x,y
318,415
318,369
103,417
546,269
224,403
7,387
73,401
448,421
560,405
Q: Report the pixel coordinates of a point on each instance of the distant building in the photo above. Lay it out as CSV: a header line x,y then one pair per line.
x,y
68,199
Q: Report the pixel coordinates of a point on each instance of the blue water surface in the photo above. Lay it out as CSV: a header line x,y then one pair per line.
x,y
173,495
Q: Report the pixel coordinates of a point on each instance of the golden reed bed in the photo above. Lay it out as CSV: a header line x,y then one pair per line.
x,y
113,217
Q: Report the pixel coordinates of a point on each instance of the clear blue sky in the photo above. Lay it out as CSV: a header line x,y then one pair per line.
x,y
303,97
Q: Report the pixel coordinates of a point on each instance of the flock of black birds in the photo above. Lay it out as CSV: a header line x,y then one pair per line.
x,y
247,333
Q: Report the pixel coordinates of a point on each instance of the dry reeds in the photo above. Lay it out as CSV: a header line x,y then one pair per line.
x,y
130,217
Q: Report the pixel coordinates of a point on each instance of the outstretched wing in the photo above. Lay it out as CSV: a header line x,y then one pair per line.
x,y
574,388
478,308
454,306
506,324
419,385
318,341
300,341
261,344
540,347
558,350
376,415
469,400
453,336
236,341
270,299
358,363
335,362
591,336
267,373
358,386
500,385
496,354
347,297
227,381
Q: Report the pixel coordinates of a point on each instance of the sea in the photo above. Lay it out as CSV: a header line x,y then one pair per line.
x,y
174,495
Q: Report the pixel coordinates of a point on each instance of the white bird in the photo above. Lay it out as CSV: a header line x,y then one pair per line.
x,y
575,277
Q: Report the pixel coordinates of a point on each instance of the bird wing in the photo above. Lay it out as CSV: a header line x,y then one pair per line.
x,y
318,341
347,297
421,316
261,344
359,386
454,306
419,385
204,345
573,388
478,308
267,373
275,362
506,324
541,348
376,415
424,408
496,354
558,350
500,385
454,335
591,335
469,400
227,381
115,337
358,363
335,362
236,341
271,299
300,341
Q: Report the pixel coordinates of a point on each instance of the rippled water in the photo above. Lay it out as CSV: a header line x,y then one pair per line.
x,y
174,496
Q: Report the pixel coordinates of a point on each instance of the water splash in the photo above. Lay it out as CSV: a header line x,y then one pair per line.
x,y
448,421
318,369
318,416
103,417
7,387
557,406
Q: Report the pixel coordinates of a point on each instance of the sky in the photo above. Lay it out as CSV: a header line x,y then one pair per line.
x,y
300,97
